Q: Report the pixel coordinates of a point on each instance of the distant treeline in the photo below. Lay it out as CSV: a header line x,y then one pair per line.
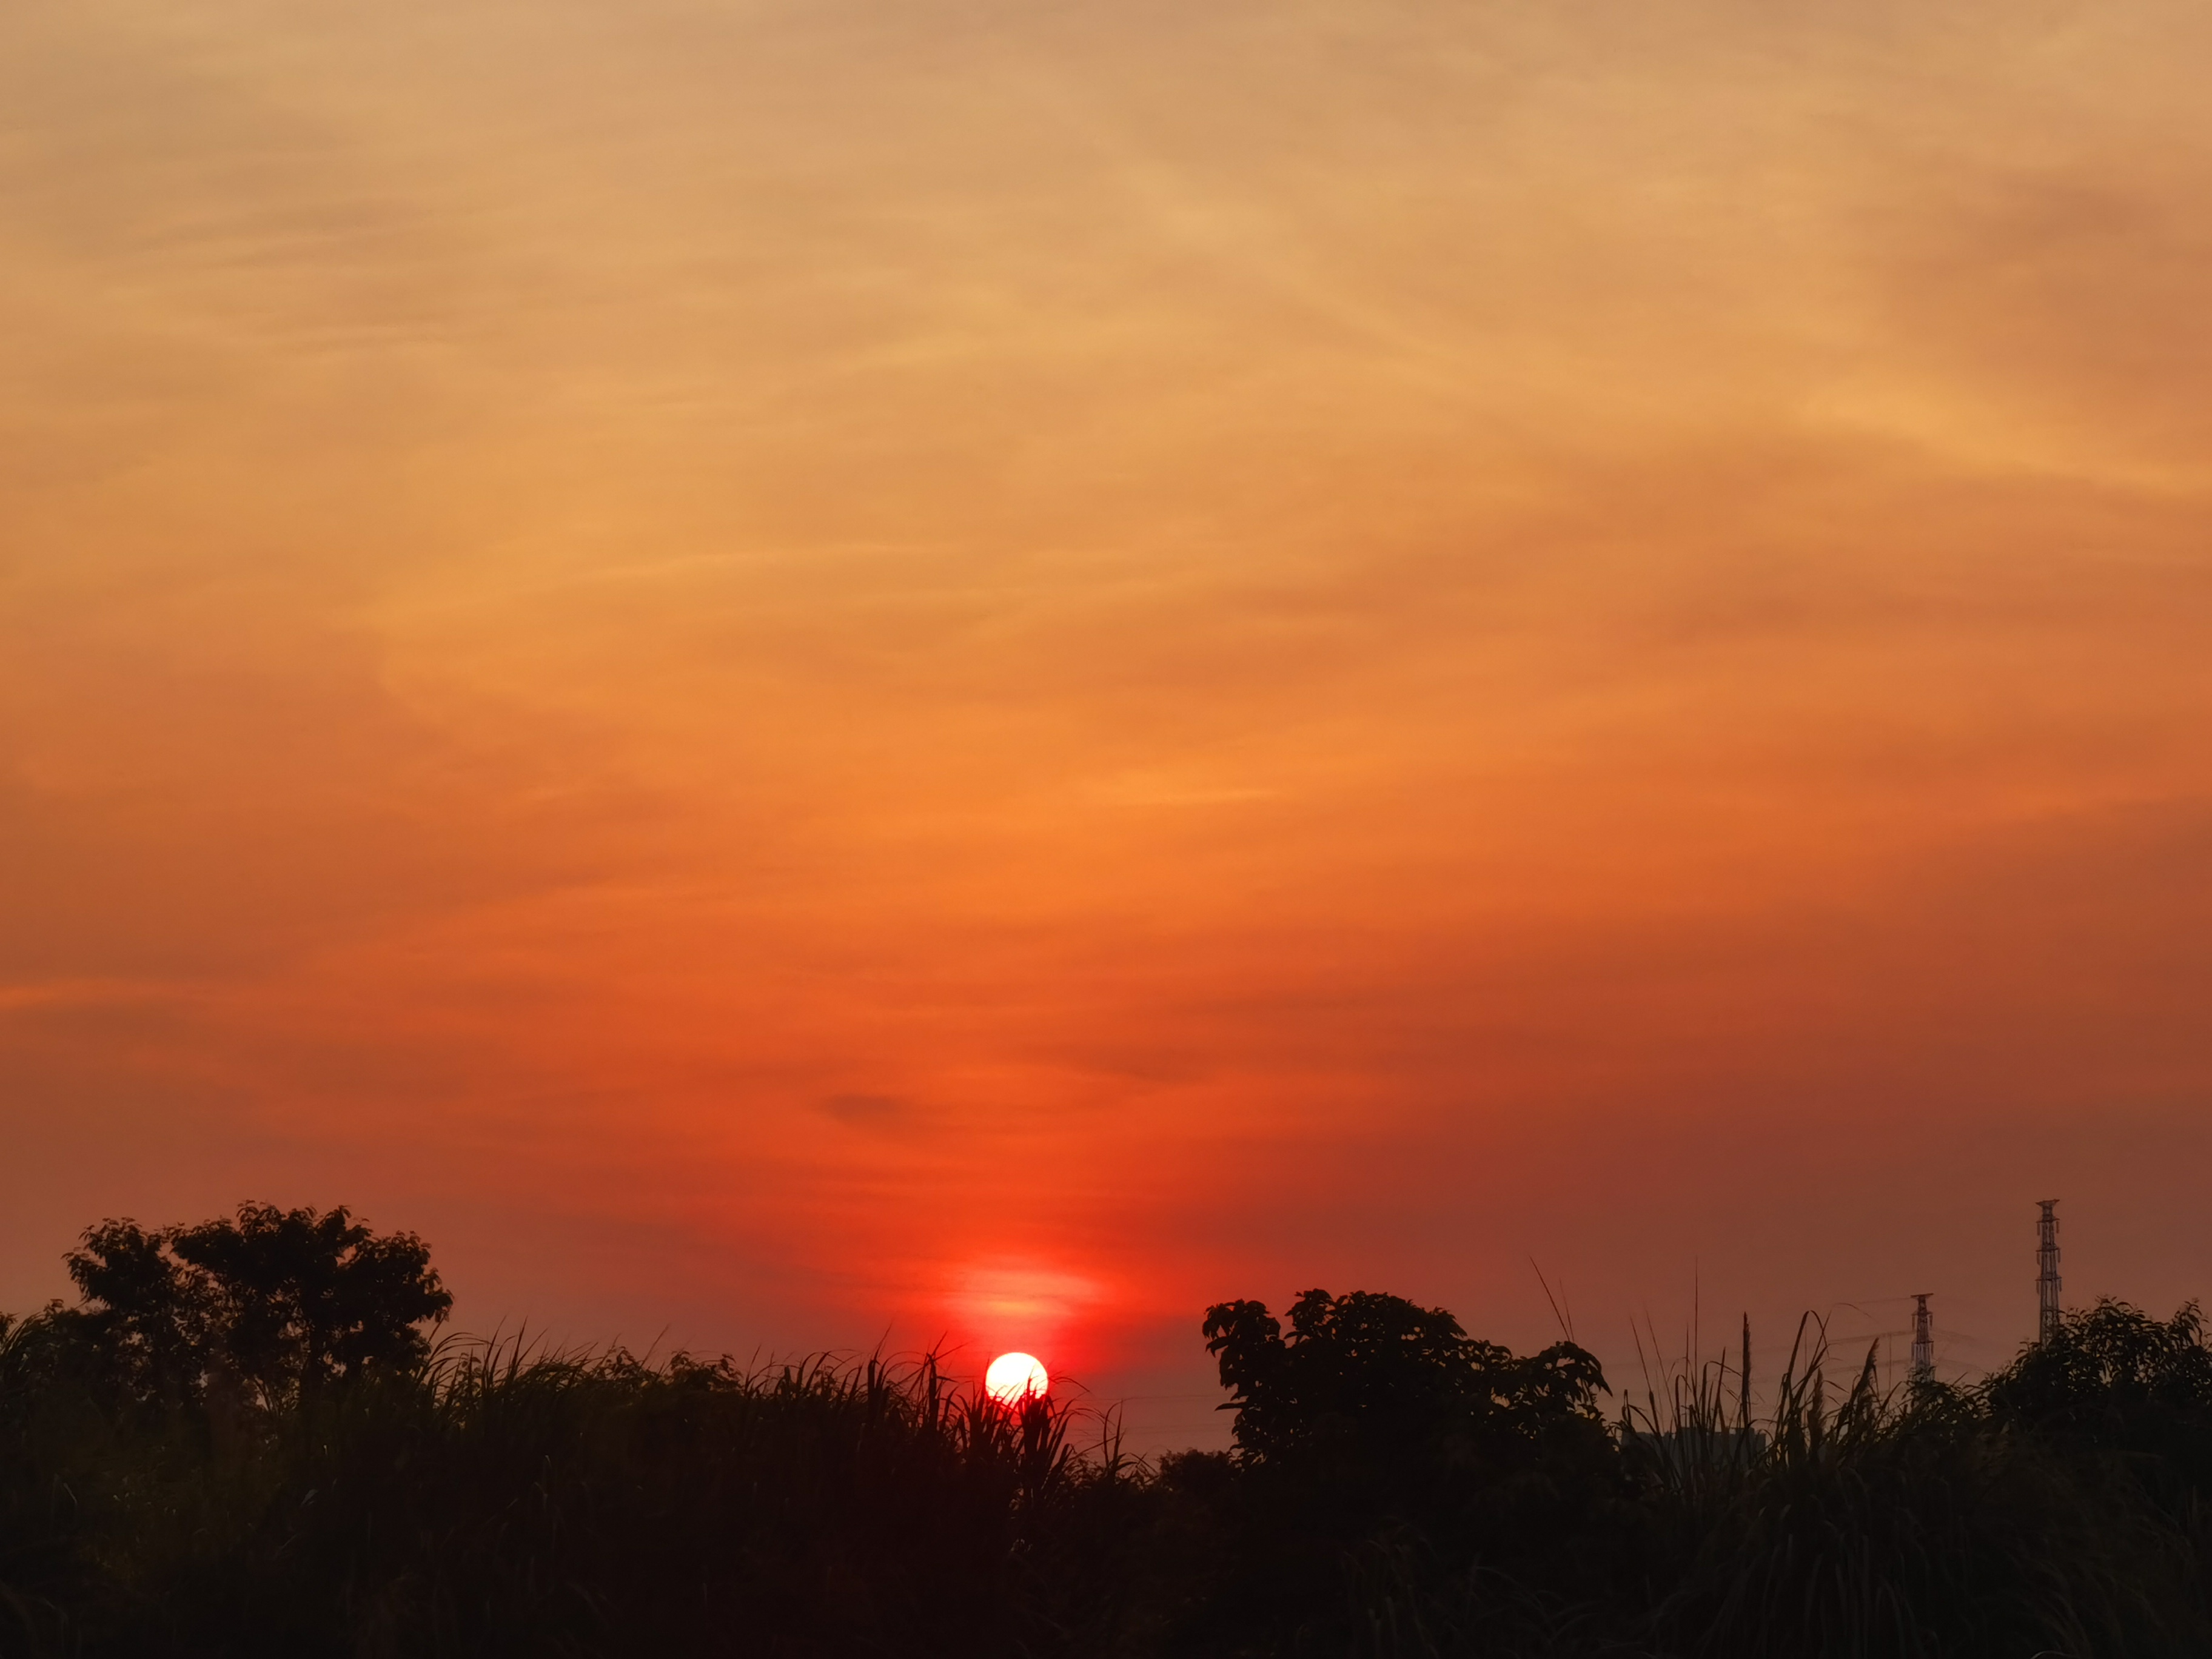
x,y
243,1442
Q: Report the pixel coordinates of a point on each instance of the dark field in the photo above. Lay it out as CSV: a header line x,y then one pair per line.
x,y
227,1449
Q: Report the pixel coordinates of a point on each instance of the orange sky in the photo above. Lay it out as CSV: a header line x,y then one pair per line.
x,y
791,670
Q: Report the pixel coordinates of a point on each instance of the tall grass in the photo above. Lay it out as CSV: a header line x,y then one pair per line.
x,y
505,1498
1854,1521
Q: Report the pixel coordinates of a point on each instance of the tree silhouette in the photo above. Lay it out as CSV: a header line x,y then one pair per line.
x,y
149,1322
2123,1384
1390,1375
276,1300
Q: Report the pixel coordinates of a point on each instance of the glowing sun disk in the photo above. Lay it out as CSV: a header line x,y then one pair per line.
x,y
1014,1377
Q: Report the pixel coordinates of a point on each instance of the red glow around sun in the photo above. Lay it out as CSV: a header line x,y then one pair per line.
x,y
1014,1377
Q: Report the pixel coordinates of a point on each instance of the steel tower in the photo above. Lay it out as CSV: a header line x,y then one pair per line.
x,y
2046,1272
1924,1338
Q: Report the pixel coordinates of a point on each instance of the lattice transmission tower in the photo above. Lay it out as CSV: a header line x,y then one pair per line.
x,y
2046,1272
1924,1338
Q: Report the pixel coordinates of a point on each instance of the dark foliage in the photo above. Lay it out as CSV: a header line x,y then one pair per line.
x,y
241,1444
1390,1380
1851,1522
1379,1443
270,1303
2115,1383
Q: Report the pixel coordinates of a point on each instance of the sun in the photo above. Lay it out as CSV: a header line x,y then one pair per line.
x,y
1014,1377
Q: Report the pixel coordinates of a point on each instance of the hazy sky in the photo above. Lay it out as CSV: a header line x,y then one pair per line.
x,y
792,671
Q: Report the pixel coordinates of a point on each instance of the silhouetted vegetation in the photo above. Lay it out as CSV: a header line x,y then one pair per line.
x,y
243,1442
266,1305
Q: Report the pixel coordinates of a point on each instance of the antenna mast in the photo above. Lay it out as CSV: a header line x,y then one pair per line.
x,y
1924,1338
2046,1272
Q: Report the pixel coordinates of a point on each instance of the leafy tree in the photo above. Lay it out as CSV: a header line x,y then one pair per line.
x,y
2108,1362
1385,1459
150,1320
2117,1382
303,1298
277,1300
1389,1375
